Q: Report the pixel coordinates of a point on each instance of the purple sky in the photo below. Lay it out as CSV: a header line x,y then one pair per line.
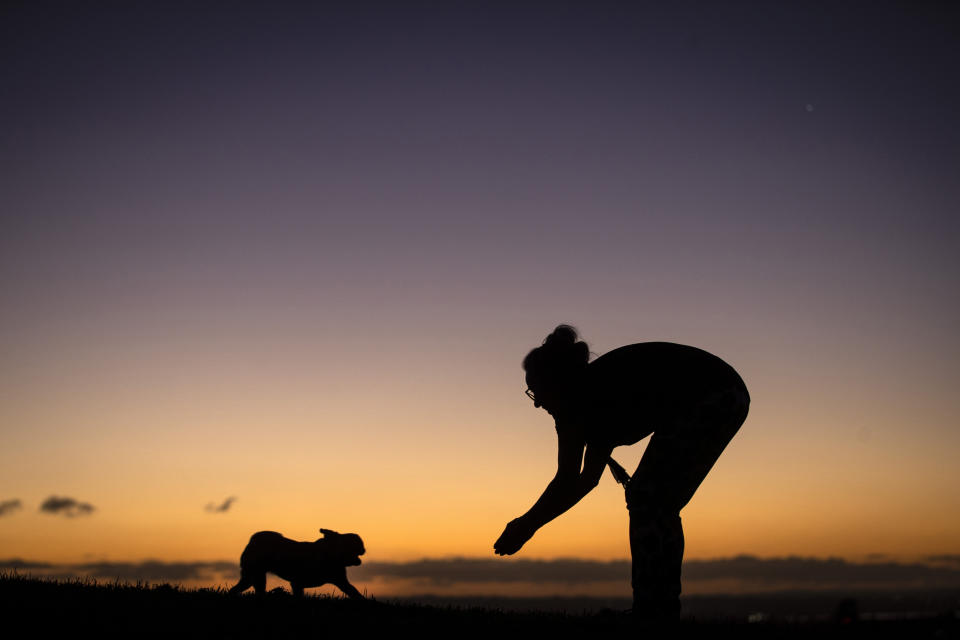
x,y
502,149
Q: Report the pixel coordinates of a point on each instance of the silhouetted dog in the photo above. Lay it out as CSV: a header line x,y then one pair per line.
x,y
304,564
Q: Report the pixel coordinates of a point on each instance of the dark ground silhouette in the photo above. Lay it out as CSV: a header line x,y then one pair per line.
x,y
136,611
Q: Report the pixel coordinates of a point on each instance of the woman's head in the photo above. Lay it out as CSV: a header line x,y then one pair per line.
x,y
556,366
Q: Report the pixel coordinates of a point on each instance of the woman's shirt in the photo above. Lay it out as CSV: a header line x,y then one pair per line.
x,y
635,390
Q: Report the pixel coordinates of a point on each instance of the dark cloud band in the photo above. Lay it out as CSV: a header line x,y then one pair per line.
x,y
744,573
156,571
457,570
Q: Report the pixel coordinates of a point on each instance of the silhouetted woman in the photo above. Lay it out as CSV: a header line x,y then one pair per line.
x,y
692,402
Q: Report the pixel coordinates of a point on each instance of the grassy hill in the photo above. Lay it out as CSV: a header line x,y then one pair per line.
x,y
128,610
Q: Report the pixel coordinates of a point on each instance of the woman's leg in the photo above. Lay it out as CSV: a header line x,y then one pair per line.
x,y
676,461
656,546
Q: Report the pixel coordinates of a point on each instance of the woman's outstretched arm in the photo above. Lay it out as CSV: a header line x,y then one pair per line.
x,y
566,489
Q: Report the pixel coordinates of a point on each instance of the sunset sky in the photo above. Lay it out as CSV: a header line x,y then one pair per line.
x,y
296,257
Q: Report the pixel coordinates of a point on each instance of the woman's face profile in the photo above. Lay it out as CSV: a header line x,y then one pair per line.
x,y
541,394
534,391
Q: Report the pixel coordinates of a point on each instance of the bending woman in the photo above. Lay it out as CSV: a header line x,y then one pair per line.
x,y
691,401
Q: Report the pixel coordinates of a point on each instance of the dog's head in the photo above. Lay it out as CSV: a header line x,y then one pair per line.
x,y
347,547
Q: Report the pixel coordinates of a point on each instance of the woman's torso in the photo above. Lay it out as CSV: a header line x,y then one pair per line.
x,y
635,390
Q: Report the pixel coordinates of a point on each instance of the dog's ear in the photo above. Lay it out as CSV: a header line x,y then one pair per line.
x,y
329,533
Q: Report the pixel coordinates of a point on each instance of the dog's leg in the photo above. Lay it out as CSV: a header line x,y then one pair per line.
x,y
348,589
260,583
241,586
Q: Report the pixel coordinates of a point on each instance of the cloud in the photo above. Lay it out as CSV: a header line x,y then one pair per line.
x,y
738,573
66,506
819,572
453,570
145,571
19,564
221,508
944,559
9,506
158,571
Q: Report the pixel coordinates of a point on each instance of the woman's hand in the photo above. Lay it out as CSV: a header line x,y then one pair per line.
x,y
514,536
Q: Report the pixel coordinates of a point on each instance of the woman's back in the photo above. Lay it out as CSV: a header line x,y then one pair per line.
x,y
637,389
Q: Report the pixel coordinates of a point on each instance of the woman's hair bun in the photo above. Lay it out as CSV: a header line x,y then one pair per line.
x,y
564,334
561,352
